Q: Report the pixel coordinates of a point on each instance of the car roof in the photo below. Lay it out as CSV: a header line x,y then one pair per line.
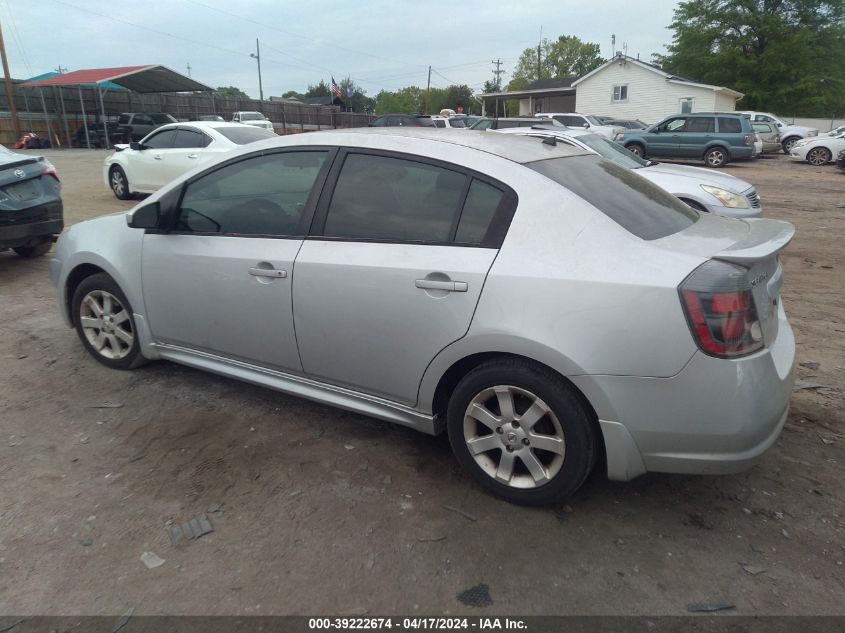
x,y
572,132
519,150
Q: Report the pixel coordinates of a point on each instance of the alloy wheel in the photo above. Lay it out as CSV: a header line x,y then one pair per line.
x,y
118,183
818,156
715,158
514,437
106,324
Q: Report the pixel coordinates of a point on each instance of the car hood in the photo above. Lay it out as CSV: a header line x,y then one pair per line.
x,y
699,175
797,129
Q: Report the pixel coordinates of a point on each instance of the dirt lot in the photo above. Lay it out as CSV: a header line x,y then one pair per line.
x,y
316,510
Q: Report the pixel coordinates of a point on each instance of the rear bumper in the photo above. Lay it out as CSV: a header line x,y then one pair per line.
x,y
716,416
21,234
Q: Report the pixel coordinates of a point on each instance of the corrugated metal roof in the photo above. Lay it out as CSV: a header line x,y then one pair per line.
x,y
150,78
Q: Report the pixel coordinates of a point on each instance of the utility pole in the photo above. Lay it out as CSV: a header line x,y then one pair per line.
x,y
10,89
497,73
257,57
539,71
59,69
189,69
427,90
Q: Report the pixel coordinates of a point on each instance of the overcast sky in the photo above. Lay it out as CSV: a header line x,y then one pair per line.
x,y
381,44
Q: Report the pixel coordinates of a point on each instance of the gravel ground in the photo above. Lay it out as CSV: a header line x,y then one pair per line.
x,y
316,510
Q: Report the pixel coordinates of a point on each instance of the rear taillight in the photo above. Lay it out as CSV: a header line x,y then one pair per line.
x,y
49,169
720,309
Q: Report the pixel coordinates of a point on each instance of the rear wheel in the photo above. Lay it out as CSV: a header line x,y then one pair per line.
x,y
819,156
119,184
103,319
716,157
787,143
35,251
636,149
521,432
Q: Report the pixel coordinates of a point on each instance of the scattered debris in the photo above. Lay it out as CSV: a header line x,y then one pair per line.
x,y
215,508
348,447
754,570
478,596
151,560
785,533
122,620
193,529
105,405
15,440
803,384
84,439
757,549
707,607
811,365
431,539
387,480
86,541
466,515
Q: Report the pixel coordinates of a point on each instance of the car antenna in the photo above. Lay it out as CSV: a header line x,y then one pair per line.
x,y
550,140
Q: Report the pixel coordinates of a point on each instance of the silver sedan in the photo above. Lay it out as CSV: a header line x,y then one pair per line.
x,y
548,309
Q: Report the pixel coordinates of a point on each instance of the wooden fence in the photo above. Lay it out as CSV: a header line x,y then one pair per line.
x,y
64,107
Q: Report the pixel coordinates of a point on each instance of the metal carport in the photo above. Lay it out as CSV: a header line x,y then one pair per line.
x,y
141,79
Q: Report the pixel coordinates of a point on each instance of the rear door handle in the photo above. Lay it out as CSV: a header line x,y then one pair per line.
x,y
193,155
268,272
451,286
157,156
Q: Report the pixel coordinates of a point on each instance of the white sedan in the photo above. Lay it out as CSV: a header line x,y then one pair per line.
x,y
818,150
170,151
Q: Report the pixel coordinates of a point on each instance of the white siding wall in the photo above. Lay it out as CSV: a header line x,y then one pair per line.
x,y
725,103
650,97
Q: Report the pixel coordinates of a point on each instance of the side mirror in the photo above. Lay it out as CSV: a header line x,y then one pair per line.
x,y
586,126
146,217
136,146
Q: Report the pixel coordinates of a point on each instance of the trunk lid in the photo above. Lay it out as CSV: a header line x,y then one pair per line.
x,y
753,244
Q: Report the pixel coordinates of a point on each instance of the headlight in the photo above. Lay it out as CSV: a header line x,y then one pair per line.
x,y
801,143
728,199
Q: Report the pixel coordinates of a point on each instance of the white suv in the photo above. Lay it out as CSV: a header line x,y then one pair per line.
x,y
585,122
255,119
789,134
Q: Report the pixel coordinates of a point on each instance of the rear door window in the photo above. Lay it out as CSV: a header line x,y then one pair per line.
x,y
393,199
637,205
700,124
186,139
479,210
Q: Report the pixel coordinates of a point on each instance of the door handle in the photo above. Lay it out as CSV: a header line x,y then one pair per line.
x,y
451,286
268,272
157,156
193,155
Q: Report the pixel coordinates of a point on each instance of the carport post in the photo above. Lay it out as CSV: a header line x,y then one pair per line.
x,y
46,116
84,117
103,111
64,114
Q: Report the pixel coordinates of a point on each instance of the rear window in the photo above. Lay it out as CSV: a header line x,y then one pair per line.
x,y
243,135
638,206
729,124
457,123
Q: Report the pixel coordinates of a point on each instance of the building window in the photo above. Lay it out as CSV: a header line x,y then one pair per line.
x,y
620,93
687,105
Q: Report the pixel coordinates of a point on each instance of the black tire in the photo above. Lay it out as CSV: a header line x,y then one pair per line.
x,y
119,183
716,157
38,250
788,142
575,422
819,156
129,355
636,149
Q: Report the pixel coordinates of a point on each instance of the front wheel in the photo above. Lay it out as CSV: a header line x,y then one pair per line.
x,y
787,143
103,320
819,156
716,157
521,432
119,184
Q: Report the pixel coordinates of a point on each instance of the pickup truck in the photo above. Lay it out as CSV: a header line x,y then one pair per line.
x,y
130,126
256,119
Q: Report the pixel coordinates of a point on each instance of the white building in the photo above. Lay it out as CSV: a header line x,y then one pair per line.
x,y
627,88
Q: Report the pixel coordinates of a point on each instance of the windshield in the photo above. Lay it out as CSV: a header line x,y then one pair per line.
x,y
482,124
593,120
628,199
612,151
243,135
252,116
162,118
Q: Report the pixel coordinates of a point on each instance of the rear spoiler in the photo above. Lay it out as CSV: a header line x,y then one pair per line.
x,y
765,238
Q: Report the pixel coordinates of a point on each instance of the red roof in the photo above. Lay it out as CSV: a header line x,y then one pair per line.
x,y
149,78
89,76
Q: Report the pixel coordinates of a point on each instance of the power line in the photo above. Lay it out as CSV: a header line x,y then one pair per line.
x,y
497,73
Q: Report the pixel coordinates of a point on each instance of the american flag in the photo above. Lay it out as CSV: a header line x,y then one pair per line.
x,y
335,88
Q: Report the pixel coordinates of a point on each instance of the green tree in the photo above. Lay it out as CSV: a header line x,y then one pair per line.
x,y
293,94
320,90
409,99
786,56
354,96
230,91
567,56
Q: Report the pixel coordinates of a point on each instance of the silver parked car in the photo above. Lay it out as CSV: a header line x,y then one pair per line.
x,y
549,309
702,189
